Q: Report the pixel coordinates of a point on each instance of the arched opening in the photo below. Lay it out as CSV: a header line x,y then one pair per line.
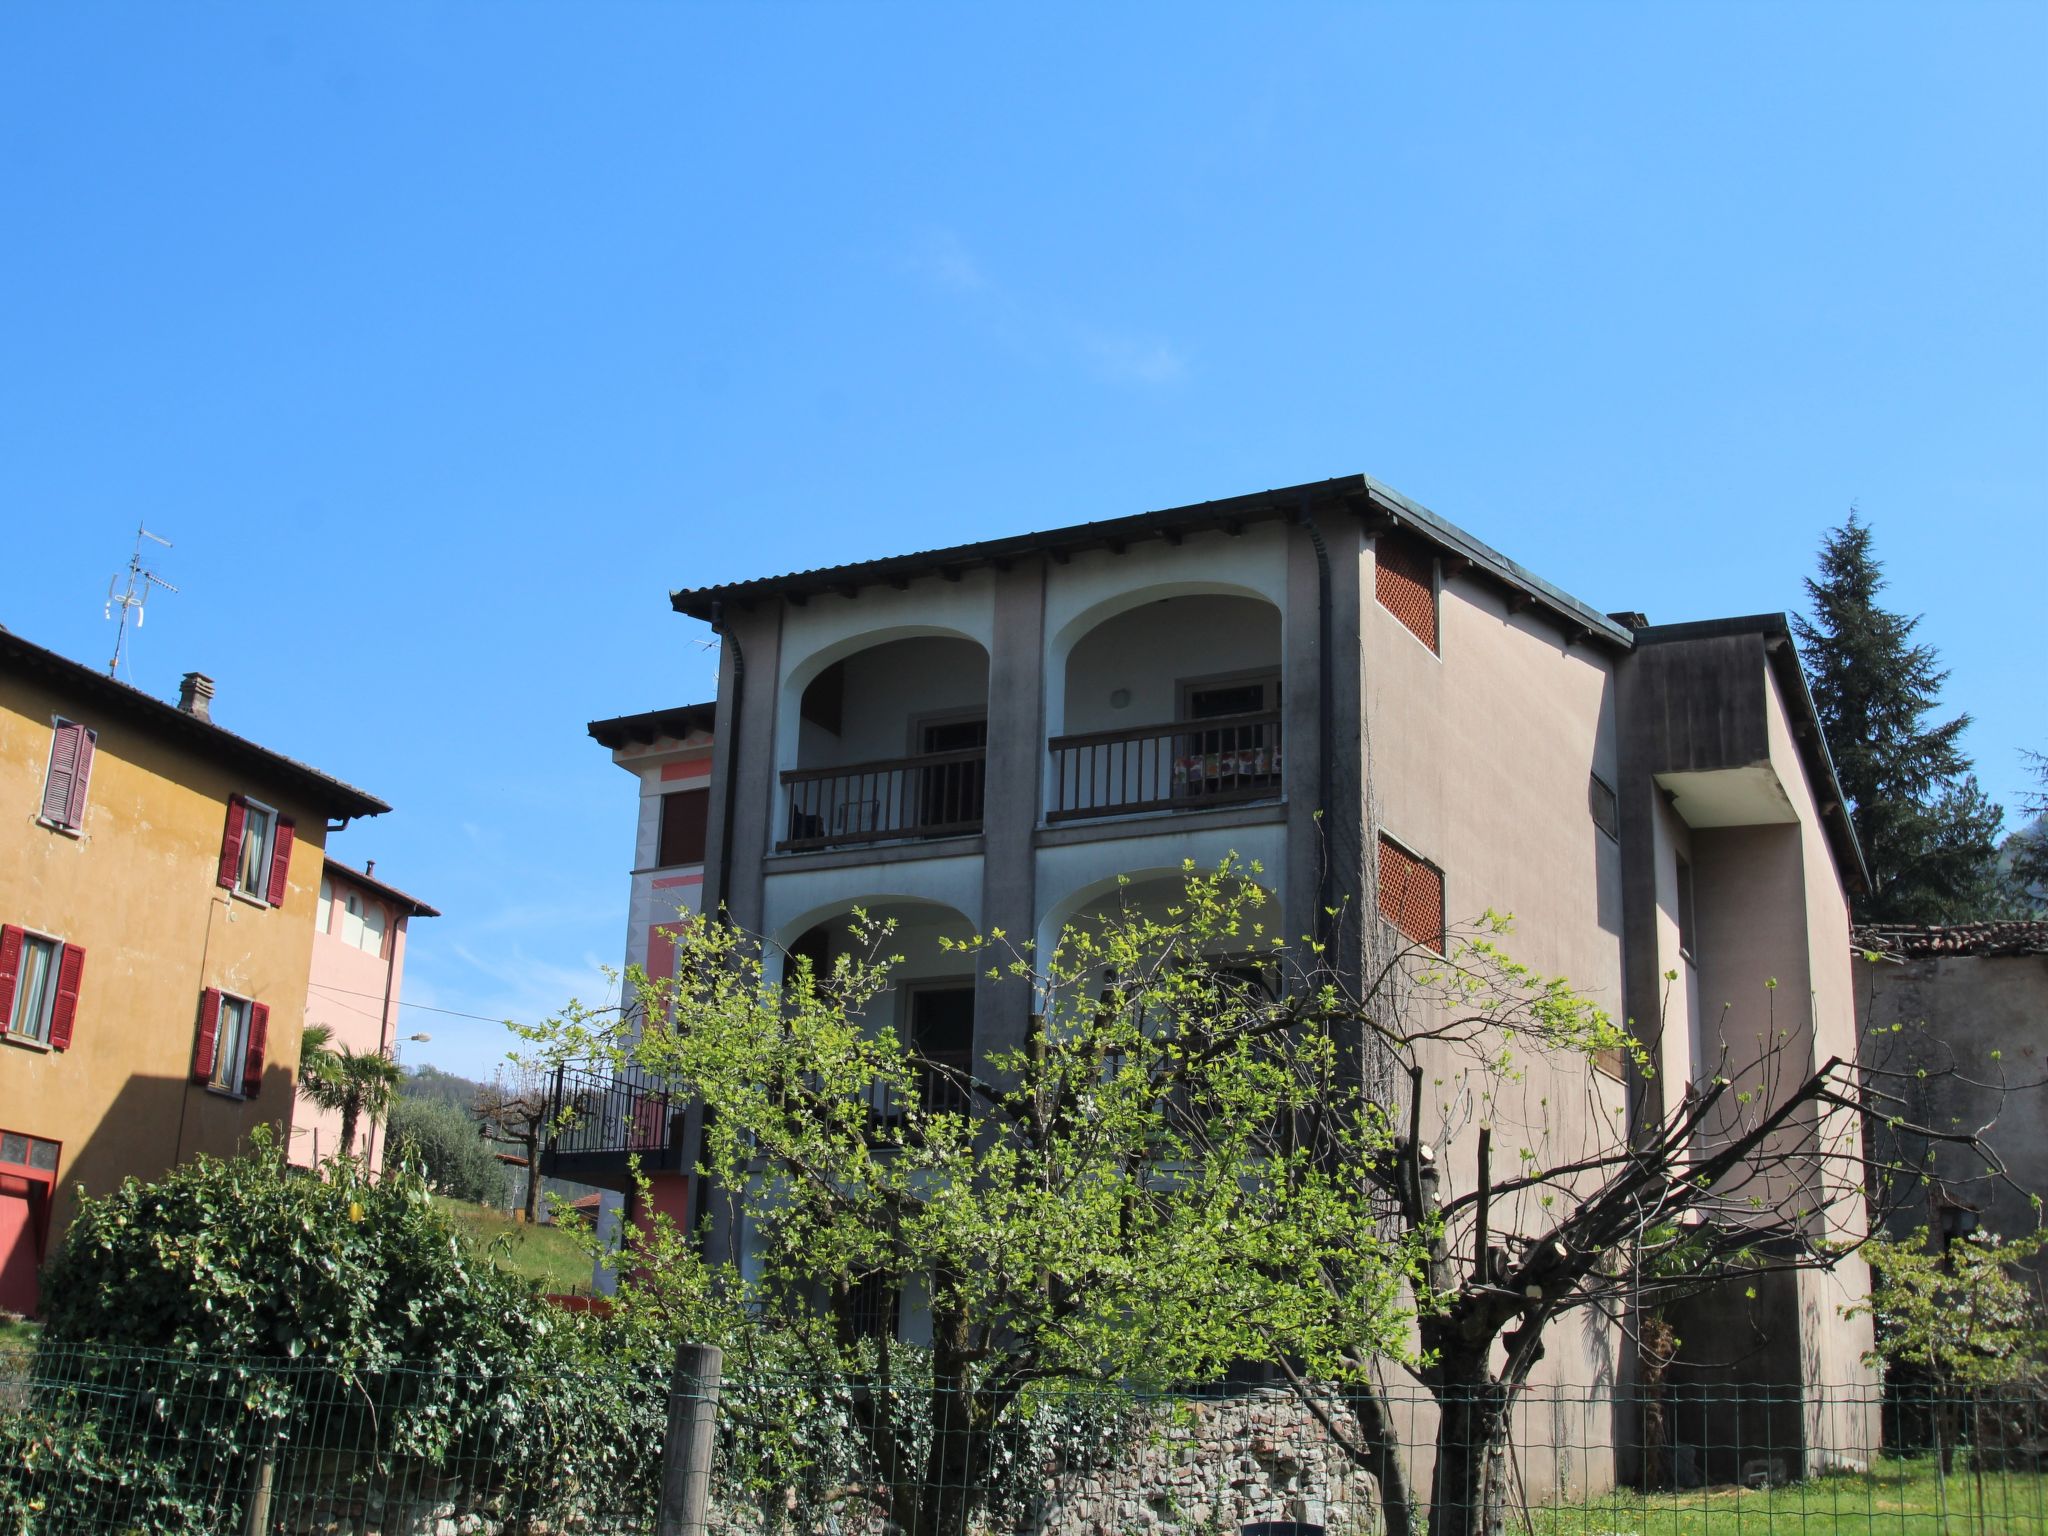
x,y
1171,705
889,742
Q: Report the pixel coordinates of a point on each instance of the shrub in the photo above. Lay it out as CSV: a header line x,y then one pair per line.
x,y
442,1139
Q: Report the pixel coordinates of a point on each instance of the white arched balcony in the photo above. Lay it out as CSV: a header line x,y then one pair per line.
x,y
1171,703
884,742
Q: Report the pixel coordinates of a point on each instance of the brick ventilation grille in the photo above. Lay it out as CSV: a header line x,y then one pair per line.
x,y
1411,895
1404,580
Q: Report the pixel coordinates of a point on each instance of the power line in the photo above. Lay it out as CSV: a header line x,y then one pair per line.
x,y
453,1013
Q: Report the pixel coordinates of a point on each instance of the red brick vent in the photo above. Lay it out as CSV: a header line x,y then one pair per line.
x,y
1923,941
1404,580
1411,894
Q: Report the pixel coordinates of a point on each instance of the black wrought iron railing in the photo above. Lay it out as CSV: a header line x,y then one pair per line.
x,y
937,794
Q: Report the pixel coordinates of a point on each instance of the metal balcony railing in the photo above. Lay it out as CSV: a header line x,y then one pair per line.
x,y
1184,765
937,794
597,1113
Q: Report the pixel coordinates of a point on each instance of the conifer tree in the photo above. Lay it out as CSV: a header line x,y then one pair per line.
x,y
1929,833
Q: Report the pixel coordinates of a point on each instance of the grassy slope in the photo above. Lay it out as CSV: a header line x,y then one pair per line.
x,y
1898,1498
550,1255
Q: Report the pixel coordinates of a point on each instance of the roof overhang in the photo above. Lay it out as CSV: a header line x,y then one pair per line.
x,y
650,726
201,737
1379,506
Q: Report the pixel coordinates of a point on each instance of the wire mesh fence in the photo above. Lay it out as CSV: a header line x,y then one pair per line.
x,y
107,1441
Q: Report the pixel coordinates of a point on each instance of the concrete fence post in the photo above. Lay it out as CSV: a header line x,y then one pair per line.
x,y
692,1435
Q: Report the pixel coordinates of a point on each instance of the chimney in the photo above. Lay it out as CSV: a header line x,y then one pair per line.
x,y
195,695
369,866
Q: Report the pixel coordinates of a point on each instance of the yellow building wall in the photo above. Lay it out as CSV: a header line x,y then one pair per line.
x,y
137,890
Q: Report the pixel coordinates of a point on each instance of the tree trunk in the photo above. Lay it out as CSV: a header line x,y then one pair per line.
x,y
958,1457
532,1177
1467,1493
1383,1458
350,1108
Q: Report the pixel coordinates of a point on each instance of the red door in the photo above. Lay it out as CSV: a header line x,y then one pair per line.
x,y
28,1174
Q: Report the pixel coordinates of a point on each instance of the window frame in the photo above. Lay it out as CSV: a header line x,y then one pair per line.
x,y
15,1031
261,895
232,1089
661,825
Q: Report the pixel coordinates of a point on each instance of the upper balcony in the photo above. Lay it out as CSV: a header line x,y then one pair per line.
x,y
890,744
1173,704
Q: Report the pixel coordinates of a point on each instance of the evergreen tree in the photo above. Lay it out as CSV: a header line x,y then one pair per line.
x,y
1929,833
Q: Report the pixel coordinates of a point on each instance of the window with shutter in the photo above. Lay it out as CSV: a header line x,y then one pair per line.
x,y
683,818
64,1011
1411,894
10,969
1404,580
256,850
35,969
71,752
205,1050
230,1045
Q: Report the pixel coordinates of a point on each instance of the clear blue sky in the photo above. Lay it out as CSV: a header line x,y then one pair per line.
x,y
444,339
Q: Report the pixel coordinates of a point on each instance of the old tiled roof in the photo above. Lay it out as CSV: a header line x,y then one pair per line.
x,y
1919,941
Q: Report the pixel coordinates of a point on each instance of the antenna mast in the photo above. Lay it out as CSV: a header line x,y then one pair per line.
x,y
140,581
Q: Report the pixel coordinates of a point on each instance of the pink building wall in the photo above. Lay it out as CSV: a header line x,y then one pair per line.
x,y
355,993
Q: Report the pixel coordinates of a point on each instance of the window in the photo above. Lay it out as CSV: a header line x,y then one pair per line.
x,y
683,817
362,924
39,982
28,1151
233,1034
71,752
1606,809
942,1035
256,851
1411,894
1686,935
1404,581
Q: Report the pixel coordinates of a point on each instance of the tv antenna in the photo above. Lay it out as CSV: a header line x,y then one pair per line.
x,y
140,581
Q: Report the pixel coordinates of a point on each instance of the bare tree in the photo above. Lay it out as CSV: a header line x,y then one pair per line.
x,y
1760,1168
515,1112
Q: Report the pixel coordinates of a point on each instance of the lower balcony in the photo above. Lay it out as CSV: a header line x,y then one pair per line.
x,y
603,1124
1182,765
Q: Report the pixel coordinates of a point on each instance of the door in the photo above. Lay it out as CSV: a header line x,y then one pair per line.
x,y
942,1032
949,794
28,1174
1242,758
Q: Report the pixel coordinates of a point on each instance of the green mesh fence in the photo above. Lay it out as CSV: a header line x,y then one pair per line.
x,y
96,1440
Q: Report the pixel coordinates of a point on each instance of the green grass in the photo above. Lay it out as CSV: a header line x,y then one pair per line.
x,y
18,1332
1897,1498
550,1255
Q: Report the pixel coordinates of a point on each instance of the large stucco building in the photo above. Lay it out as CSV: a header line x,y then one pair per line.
x,y
1382,713
158,880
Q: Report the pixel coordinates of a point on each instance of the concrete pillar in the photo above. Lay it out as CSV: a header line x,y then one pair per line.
x,y
1011,797
743,764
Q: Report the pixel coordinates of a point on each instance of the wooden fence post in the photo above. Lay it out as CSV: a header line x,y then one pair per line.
x,y
692,1436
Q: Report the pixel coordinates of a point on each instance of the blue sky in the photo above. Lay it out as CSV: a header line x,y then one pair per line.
x,y
444,339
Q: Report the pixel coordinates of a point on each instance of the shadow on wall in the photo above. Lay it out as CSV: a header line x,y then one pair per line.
x,y
145,1126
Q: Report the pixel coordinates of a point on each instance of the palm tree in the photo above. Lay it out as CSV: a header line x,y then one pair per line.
x,y
357,1083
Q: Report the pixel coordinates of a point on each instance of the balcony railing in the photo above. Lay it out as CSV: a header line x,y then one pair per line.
x,y
935,795
595,1114
1184,765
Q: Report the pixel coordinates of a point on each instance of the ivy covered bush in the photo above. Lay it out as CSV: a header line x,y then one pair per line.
x,y
240,1311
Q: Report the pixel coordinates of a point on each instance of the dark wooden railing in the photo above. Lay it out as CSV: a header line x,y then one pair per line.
x,y
935,795
1180,766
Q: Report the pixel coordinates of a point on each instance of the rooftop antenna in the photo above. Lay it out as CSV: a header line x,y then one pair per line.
x,y
140,580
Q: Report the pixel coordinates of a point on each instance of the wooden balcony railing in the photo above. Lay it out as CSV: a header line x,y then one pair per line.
x,y
1180,766
935,795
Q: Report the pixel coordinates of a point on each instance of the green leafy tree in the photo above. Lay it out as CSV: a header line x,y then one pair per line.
x,y
357,1084
1119,1198
2024,855
443,1140
1929,833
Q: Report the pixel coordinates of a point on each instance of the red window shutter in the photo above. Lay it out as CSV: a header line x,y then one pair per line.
x,y
231,840
280,859
252,1062
209,1028
1404,581
81,777
10,972
70,973
63,774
